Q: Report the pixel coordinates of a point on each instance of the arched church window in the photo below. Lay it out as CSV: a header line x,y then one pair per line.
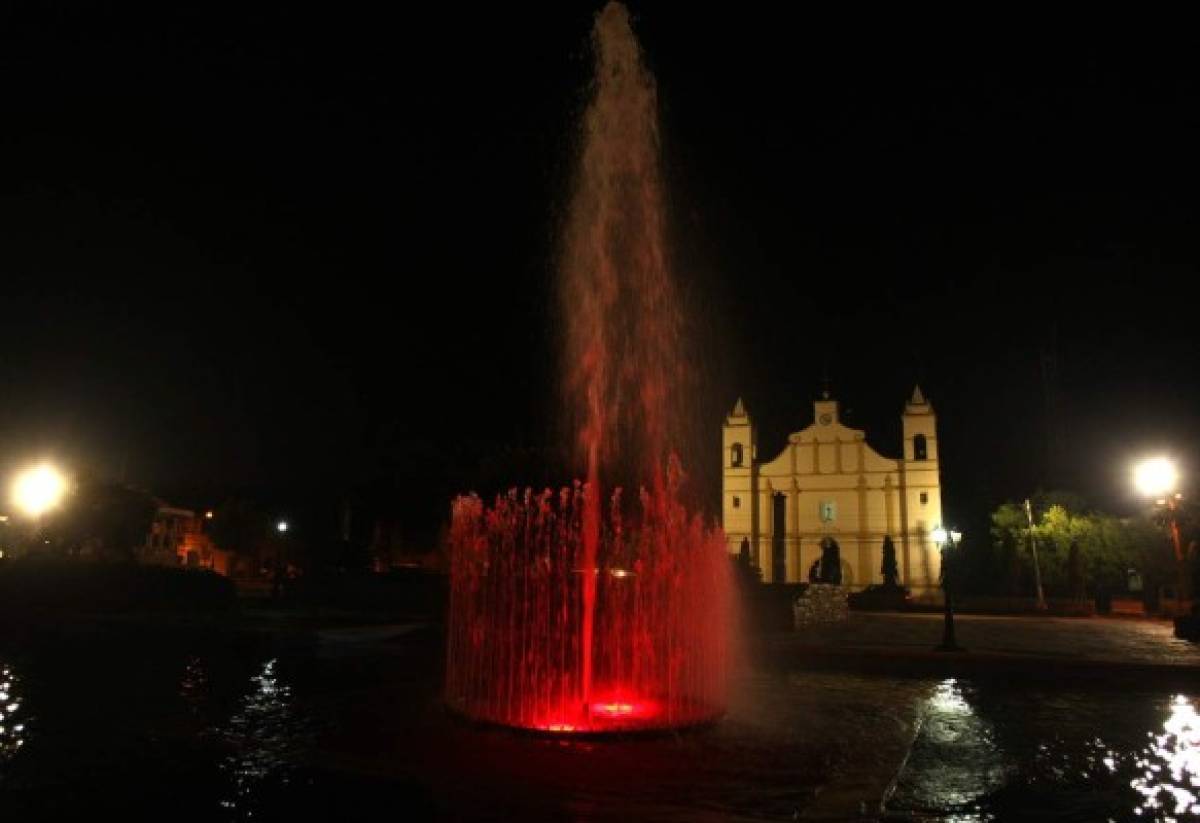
x,y
735,457
920,451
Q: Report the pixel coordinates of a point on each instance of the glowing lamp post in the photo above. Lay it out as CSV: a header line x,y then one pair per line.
x,y
38,490
945,541
281,560
1156,478
1037,568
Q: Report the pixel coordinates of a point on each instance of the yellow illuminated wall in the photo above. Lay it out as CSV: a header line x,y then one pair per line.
x,y
831,484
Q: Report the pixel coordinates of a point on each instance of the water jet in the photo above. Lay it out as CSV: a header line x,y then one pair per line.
x,y
576,611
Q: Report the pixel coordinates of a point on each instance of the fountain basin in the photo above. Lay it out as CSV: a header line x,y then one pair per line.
x,y
658,612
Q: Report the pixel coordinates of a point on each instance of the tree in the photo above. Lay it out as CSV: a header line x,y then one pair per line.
x,y
1194,569
890,570
746,573
1077,547
831,562
1009,539
241,527
1075,571
110,519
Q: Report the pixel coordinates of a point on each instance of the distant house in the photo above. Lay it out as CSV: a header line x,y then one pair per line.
x,y
177,538
389,550
166,535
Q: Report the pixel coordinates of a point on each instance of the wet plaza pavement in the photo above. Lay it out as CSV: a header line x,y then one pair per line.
x,y
997,750
1106,640
351,720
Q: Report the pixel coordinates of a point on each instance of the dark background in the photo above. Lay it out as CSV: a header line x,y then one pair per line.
x,y
309,255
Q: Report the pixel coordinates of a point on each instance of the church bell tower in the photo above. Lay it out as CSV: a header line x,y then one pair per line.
x,y
738,499
921,485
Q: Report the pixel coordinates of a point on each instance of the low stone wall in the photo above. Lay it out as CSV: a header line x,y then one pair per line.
x,y
821,603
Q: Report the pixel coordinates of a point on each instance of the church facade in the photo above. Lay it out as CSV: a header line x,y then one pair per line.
x,y
828,487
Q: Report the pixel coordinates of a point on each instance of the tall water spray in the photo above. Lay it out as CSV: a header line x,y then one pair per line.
x,y
578,610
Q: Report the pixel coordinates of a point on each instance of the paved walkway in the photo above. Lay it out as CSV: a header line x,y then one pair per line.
x,y
1096,640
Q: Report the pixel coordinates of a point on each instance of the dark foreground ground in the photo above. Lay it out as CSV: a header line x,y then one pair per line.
x,y
274,715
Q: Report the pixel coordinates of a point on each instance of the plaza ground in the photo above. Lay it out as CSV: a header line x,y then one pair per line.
x,y
1089,660
840,722
278,715
1063,640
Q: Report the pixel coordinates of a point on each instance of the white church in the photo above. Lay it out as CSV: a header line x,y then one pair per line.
x,y
827,485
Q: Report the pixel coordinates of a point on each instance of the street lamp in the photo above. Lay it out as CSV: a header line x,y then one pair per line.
x,y
1037,568
39,489
280,575
36,491
1156,478
945,541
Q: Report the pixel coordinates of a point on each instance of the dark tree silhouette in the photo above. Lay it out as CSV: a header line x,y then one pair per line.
x,y
747,573
111,518
240,526
1075,571
831,562
889,569
1194,561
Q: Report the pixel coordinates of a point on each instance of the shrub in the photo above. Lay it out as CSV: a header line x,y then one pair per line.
x,y
30,586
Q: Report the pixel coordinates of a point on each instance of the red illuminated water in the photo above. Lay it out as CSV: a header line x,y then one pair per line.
x,y
659,656
576,611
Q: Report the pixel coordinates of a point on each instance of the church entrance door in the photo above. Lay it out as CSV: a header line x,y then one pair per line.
x,y
779,538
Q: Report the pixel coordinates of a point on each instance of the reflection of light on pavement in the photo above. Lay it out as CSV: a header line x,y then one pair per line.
x,y
948,715
1170,764
12,726
993,752
956,760
948,697
193,686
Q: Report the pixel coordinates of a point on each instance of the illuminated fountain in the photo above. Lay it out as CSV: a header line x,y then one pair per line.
x,y
582,610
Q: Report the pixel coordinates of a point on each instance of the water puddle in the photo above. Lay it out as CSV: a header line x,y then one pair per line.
x,y
13,720
267,738
997,752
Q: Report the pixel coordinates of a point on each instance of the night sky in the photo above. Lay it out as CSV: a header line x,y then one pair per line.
x,y
260,249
